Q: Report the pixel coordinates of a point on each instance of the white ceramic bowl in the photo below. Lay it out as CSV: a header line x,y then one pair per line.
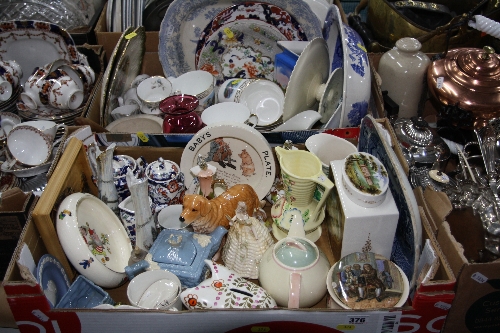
x,y
156,289
93,239
329,148
168,217
357,75
29,145
226,111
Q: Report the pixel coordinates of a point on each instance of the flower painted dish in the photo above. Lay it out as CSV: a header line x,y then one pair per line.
x,y
35,43
184,21
243,49
93,239
406,246
241,154
53,279
273,15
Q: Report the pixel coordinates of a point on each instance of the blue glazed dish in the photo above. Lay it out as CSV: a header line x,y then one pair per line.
x,y
84,294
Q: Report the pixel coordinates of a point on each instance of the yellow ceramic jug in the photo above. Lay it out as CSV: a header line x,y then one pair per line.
x,y
306,189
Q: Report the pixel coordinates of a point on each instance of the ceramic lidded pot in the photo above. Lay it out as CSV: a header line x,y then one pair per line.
x,y
290,270
165,183
469,79
365,179
122,163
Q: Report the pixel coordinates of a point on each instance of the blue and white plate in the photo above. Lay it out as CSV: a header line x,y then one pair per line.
x,y
408,239
53,279
184,22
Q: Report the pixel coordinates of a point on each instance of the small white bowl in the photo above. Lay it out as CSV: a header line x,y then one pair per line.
x,y
168,217
93,239
156,289
225,111
329,148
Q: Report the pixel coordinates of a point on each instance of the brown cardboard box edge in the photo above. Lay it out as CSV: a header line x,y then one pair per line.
x,y
109,39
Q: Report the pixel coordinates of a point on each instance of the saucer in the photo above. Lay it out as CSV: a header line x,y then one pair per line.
x,y
138,123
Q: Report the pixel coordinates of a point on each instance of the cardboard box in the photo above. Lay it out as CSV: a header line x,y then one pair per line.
x,y
31,309
15,208
109,40
86,34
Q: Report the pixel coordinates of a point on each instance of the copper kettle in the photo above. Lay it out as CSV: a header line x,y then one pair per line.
x,y
469,79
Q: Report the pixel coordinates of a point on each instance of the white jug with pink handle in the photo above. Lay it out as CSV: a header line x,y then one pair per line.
x,y
292,269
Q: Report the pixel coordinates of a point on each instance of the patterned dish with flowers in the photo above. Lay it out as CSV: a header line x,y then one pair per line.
x,y
241,49
264,12
184,21
34,43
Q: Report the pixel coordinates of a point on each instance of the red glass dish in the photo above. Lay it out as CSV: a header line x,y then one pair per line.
x,y
180,114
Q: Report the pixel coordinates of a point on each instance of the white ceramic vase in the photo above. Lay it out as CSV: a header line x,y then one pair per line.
x,y
403,70
105,182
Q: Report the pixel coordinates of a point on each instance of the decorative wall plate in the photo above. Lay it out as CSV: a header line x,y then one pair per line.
x,y
184,20
241,154
34,44
242,49
408,238
128,66
364,280
109,72
53,279
273,15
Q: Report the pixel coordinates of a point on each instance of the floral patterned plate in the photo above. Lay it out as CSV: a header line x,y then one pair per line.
x,y
34,44
264,12
184,21
241,154
242,49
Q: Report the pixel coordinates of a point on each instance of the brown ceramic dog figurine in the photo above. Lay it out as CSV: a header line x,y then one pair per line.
x,y
205,215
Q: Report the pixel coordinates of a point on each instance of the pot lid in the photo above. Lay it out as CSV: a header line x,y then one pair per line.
x,y
162,170
413,132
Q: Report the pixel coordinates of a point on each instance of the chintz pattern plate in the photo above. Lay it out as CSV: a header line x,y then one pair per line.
x,y
243,49
273,15
184,22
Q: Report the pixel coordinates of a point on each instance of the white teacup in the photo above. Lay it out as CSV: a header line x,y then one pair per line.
x,y
83,75
63,92
329,148
228,111
10,75
263,97
156,289
151,92
197,83
29,145
47,127
138,79
8,120
124,111
130,97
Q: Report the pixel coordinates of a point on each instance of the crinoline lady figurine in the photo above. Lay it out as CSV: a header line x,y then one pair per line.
x,y
247,240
